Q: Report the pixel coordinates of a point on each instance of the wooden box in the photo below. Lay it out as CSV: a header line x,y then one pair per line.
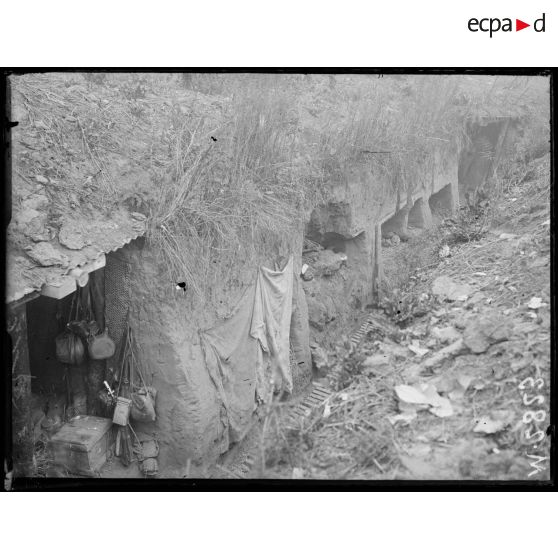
x,y
82,444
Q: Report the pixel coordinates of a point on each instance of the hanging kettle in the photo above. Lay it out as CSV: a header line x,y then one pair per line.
x,y
69,348
101,346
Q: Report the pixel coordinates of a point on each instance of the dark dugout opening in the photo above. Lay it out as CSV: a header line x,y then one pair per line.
x,y
479,159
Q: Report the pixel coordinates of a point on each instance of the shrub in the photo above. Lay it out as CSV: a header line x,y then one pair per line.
x,y
470,224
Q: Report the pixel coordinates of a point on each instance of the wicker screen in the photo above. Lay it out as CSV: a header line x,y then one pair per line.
x,y
117,298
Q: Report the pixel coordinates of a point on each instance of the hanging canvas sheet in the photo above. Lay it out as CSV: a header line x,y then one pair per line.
x,y
247,356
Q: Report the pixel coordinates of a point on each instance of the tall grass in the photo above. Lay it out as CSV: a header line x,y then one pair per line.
x,y
395,127
230,199
229,165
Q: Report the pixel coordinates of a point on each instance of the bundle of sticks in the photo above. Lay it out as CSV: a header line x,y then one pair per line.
x,y
124,445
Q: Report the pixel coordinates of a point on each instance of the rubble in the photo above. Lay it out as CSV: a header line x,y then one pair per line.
x,y
481,333
447,289
416,370
328,262
445,334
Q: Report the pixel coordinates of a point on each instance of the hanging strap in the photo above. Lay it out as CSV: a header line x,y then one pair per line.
x,y
133,363
136,365
138,369
131,360
72,304
123,362
129,363
89,311
122,349
78,305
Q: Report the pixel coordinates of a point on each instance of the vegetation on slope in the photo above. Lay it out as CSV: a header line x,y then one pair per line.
x,y
499,390
227,166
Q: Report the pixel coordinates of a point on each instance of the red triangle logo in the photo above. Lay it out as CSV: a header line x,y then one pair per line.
x,y
519,25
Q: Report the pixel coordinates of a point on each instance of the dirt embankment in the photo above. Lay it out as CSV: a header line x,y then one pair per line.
x,y
461,390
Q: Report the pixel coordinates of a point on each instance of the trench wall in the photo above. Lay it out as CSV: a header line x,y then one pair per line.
x,y
165,327
361,209
489,143
166,323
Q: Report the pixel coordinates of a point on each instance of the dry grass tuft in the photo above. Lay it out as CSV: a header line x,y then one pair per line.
x,y
227,166
348,438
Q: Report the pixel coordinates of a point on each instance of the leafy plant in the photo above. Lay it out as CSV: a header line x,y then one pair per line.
x,y
403,307
470,224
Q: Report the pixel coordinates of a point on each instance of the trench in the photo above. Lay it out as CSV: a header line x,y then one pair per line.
x,y
295,172
247,461
338,287
345,260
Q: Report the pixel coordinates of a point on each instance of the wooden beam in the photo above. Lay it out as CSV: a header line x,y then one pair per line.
x,y
68,283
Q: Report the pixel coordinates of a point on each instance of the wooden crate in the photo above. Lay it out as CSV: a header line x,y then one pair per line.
x,y
82,444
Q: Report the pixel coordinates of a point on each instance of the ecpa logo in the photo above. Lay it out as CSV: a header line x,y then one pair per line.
x,y
494,24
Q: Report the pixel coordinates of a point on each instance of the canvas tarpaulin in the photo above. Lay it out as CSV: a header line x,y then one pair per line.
x,y
299,340
247,356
